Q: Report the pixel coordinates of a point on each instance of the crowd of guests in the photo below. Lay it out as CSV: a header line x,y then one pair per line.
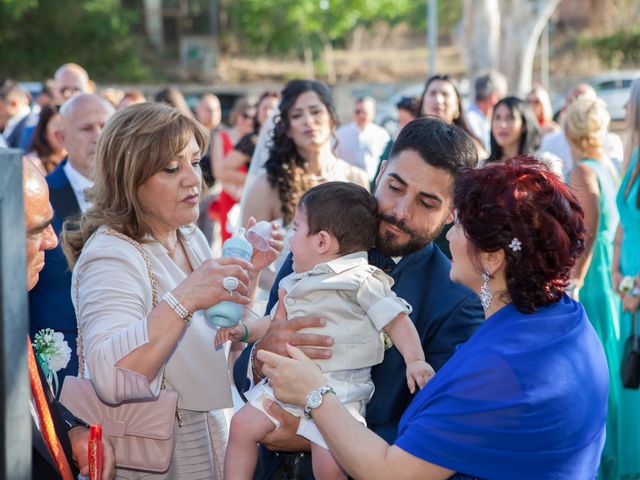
x,y
524,323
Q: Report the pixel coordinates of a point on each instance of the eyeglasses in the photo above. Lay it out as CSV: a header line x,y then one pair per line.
x,y
69,91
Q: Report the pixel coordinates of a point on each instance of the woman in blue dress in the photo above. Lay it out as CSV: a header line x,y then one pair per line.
x,y
526,396
626,263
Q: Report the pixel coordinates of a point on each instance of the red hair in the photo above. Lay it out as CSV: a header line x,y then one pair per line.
x,y
523,199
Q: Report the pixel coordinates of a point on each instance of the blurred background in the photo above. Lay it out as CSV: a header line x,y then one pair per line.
x,y
382,48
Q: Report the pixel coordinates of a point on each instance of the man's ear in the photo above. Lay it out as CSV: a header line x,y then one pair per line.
x,y
59,134
450,216
383,167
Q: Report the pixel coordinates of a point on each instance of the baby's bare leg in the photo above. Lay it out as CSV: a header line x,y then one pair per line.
x,y
248,426
324,464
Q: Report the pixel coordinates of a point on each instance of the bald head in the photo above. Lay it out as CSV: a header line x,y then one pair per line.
x,y
70,79
208,111
37,216
83,117
579,90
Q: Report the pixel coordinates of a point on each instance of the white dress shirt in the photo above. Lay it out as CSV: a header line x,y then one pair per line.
x,y
479,124
362,148
79,183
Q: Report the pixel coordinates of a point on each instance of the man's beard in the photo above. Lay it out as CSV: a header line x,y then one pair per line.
x,y
387,244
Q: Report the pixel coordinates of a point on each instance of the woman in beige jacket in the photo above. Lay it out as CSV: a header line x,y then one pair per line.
x,y
145,201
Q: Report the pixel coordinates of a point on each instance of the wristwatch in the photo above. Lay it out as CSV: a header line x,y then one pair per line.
x,y
314,399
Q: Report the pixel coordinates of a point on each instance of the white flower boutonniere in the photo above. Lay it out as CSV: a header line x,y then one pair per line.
x,y
53,352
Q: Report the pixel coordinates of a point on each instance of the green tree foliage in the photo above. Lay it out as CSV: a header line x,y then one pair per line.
x,y
289,26
37,36
621,49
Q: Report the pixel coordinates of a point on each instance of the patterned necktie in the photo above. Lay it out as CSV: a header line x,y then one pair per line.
x,y
46,422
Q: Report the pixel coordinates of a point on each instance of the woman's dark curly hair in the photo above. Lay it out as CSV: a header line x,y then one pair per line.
x,y
530,137
286,169
523,199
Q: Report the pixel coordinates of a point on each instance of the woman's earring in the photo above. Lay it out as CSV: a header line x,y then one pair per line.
x,y
485,292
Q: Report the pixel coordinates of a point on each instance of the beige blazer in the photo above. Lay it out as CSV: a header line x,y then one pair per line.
x,y
357,302
114,299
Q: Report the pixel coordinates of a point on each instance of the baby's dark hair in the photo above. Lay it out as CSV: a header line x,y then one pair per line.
x,y
345,210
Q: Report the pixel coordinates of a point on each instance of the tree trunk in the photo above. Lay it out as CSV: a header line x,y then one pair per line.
x,y
480,35
330,62
503,34
522,23
309,69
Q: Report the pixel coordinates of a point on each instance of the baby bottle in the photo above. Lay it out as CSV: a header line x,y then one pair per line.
x,y
228,314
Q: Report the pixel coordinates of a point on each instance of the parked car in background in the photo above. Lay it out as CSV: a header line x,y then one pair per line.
x,y
614,88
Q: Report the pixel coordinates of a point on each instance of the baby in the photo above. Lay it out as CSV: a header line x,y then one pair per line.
x,y
334,226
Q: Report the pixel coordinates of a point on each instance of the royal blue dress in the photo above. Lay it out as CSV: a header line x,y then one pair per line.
x,y
525,398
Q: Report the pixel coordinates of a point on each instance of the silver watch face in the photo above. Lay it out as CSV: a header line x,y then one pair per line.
x,y
314,399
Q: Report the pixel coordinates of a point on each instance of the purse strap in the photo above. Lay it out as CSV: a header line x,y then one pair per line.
x,y
152,280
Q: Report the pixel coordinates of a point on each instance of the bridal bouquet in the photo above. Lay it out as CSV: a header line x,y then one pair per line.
x,y
53,353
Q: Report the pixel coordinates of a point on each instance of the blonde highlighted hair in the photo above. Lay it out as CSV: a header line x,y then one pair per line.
x,y
135,144
586,123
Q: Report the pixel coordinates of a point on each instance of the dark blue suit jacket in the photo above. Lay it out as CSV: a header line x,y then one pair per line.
x,y
13,140
444,313
50,301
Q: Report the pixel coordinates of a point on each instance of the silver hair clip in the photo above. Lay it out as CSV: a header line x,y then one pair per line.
x,y
515,245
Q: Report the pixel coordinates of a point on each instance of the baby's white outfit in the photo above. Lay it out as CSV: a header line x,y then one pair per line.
x,y
357,302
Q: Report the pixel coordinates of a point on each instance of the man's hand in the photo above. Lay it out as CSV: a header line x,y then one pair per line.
x,y
283,331
79,439
630,303
285,438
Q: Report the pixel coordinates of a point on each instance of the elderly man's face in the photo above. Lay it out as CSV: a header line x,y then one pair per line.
x,y
70,82
80,131
37,215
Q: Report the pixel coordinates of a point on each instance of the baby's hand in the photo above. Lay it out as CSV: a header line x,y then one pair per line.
x,y
418,372
234,334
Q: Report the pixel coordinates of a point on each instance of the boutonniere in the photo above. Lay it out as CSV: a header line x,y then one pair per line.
x,y
53,353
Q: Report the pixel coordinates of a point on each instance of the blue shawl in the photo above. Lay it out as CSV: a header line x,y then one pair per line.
x,y
525,397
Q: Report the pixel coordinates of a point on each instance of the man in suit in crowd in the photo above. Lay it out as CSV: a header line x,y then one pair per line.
x,y
14,112
83,117
414,191
70,79
71,434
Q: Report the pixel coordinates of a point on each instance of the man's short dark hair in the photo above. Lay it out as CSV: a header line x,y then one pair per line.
x,y
345,210
440,144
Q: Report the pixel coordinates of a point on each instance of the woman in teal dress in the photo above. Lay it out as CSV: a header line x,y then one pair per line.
x,y
626,262
594,180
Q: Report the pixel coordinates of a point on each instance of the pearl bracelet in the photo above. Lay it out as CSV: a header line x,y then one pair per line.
x,y
177,307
